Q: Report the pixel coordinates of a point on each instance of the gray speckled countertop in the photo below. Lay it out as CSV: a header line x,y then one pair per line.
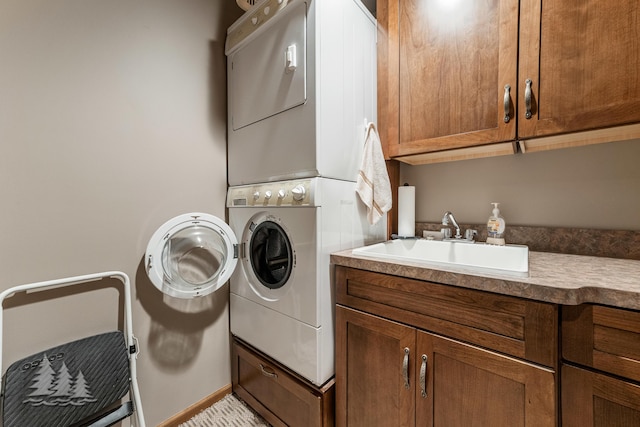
x,y
555,278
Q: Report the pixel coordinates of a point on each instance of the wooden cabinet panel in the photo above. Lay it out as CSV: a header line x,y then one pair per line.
x,y
479,387
518,327
454,64
582,58
448,67
370,386
604,338
593,399
277,394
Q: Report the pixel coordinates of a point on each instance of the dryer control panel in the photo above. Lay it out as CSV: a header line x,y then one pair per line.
x,y
252,21
281,193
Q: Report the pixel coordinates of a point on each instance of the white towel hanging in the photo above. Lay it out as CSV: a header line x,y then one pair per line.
x,y
372,185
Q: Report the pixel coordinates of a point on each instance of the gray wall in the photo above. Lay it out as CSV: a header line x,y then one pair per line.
x,y
594,186
112,121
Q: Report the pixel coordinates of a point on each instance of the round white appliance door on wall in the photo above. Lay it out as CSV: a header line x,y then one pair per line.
x,y
191,255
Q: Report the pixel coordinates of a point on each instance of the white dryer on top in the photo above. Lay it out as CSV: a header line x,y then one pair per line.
x,y
301,90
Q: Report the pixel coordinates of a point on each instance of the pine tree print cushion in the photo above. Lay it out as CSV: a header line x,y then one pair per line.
x,y
67,383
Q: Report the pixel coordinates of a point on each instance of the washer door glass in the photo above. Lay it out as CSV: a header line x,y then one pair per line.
x,y
194,256
271,254
191,255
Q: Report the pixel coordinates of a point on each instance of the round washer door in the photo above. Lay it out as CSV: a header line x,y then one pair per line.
x,y
268,257
191,255
271,254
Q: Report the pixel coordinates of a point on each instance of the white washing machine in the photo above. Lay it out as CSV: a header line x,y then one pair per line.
x,y
301,88
281,295
275,252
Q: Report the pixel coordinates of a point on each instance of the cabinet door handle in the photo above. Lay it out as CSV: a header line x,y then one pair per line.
x,y
268,372
405,368
527,99
423,376
507,103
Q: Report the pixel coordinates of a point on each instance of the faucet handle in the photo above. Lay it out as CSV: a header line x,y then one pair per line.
x,y
470,234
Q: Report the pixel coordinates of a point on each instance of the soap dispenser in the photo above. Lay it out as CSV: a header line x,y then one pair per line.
x,y
495,227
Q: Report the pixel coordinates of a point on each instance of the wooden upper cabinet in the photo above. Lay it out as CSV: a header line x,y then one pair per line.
x,y
582,57
444,68
571,66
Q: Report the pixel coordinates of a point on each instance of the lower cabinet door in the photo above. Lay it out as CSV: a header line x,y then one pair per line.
x,y
374,360
463,385
389,374
594,399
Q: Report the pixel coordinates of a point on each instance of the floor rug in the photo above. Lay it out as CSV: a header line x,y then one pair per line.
x,y
230,411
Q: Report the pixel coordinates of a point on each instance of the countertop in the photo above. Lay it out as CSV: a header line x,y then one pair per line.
x,y
556,278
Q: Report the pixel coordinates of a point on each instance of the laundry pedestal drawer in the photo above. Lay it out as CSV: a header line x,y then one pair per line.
x,y
278,395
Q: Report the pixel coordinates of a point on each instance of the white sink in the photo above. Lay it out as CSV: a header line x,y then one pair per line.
x,y
509,259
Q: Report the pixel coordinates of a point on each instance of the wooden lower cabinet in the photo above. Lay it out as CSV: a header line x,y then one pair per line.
x,y
594,399
601,346
391,374
416,353
606,339
370,386
278,395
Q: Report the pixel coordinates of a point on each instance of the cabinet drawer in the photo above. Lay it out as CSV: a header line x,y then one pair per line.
x,y
604,338
514,326
278,395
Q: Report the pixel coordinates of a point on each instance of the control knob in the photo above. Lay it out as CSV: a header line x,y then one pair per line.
x,y
256,195
298,193
267,194
281,194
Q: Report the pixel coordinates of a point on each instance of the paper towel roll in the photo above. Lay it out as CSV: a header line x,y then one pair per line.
x,y
406,211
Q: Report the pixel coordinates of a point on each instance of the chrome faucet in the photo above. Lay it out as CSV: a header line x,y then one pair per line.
x,y
448,217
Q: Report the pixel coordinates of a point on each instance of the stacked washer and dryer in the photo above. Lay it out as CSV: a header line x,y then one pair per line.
x,y
301,92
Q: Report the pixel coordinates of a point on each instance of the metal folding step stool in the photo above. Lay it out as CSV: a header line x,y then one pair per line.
x,y
80,383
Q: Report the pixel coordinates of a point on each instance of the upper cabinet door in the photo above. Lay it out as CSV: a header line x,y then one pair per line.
x,y
582,59
450,73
